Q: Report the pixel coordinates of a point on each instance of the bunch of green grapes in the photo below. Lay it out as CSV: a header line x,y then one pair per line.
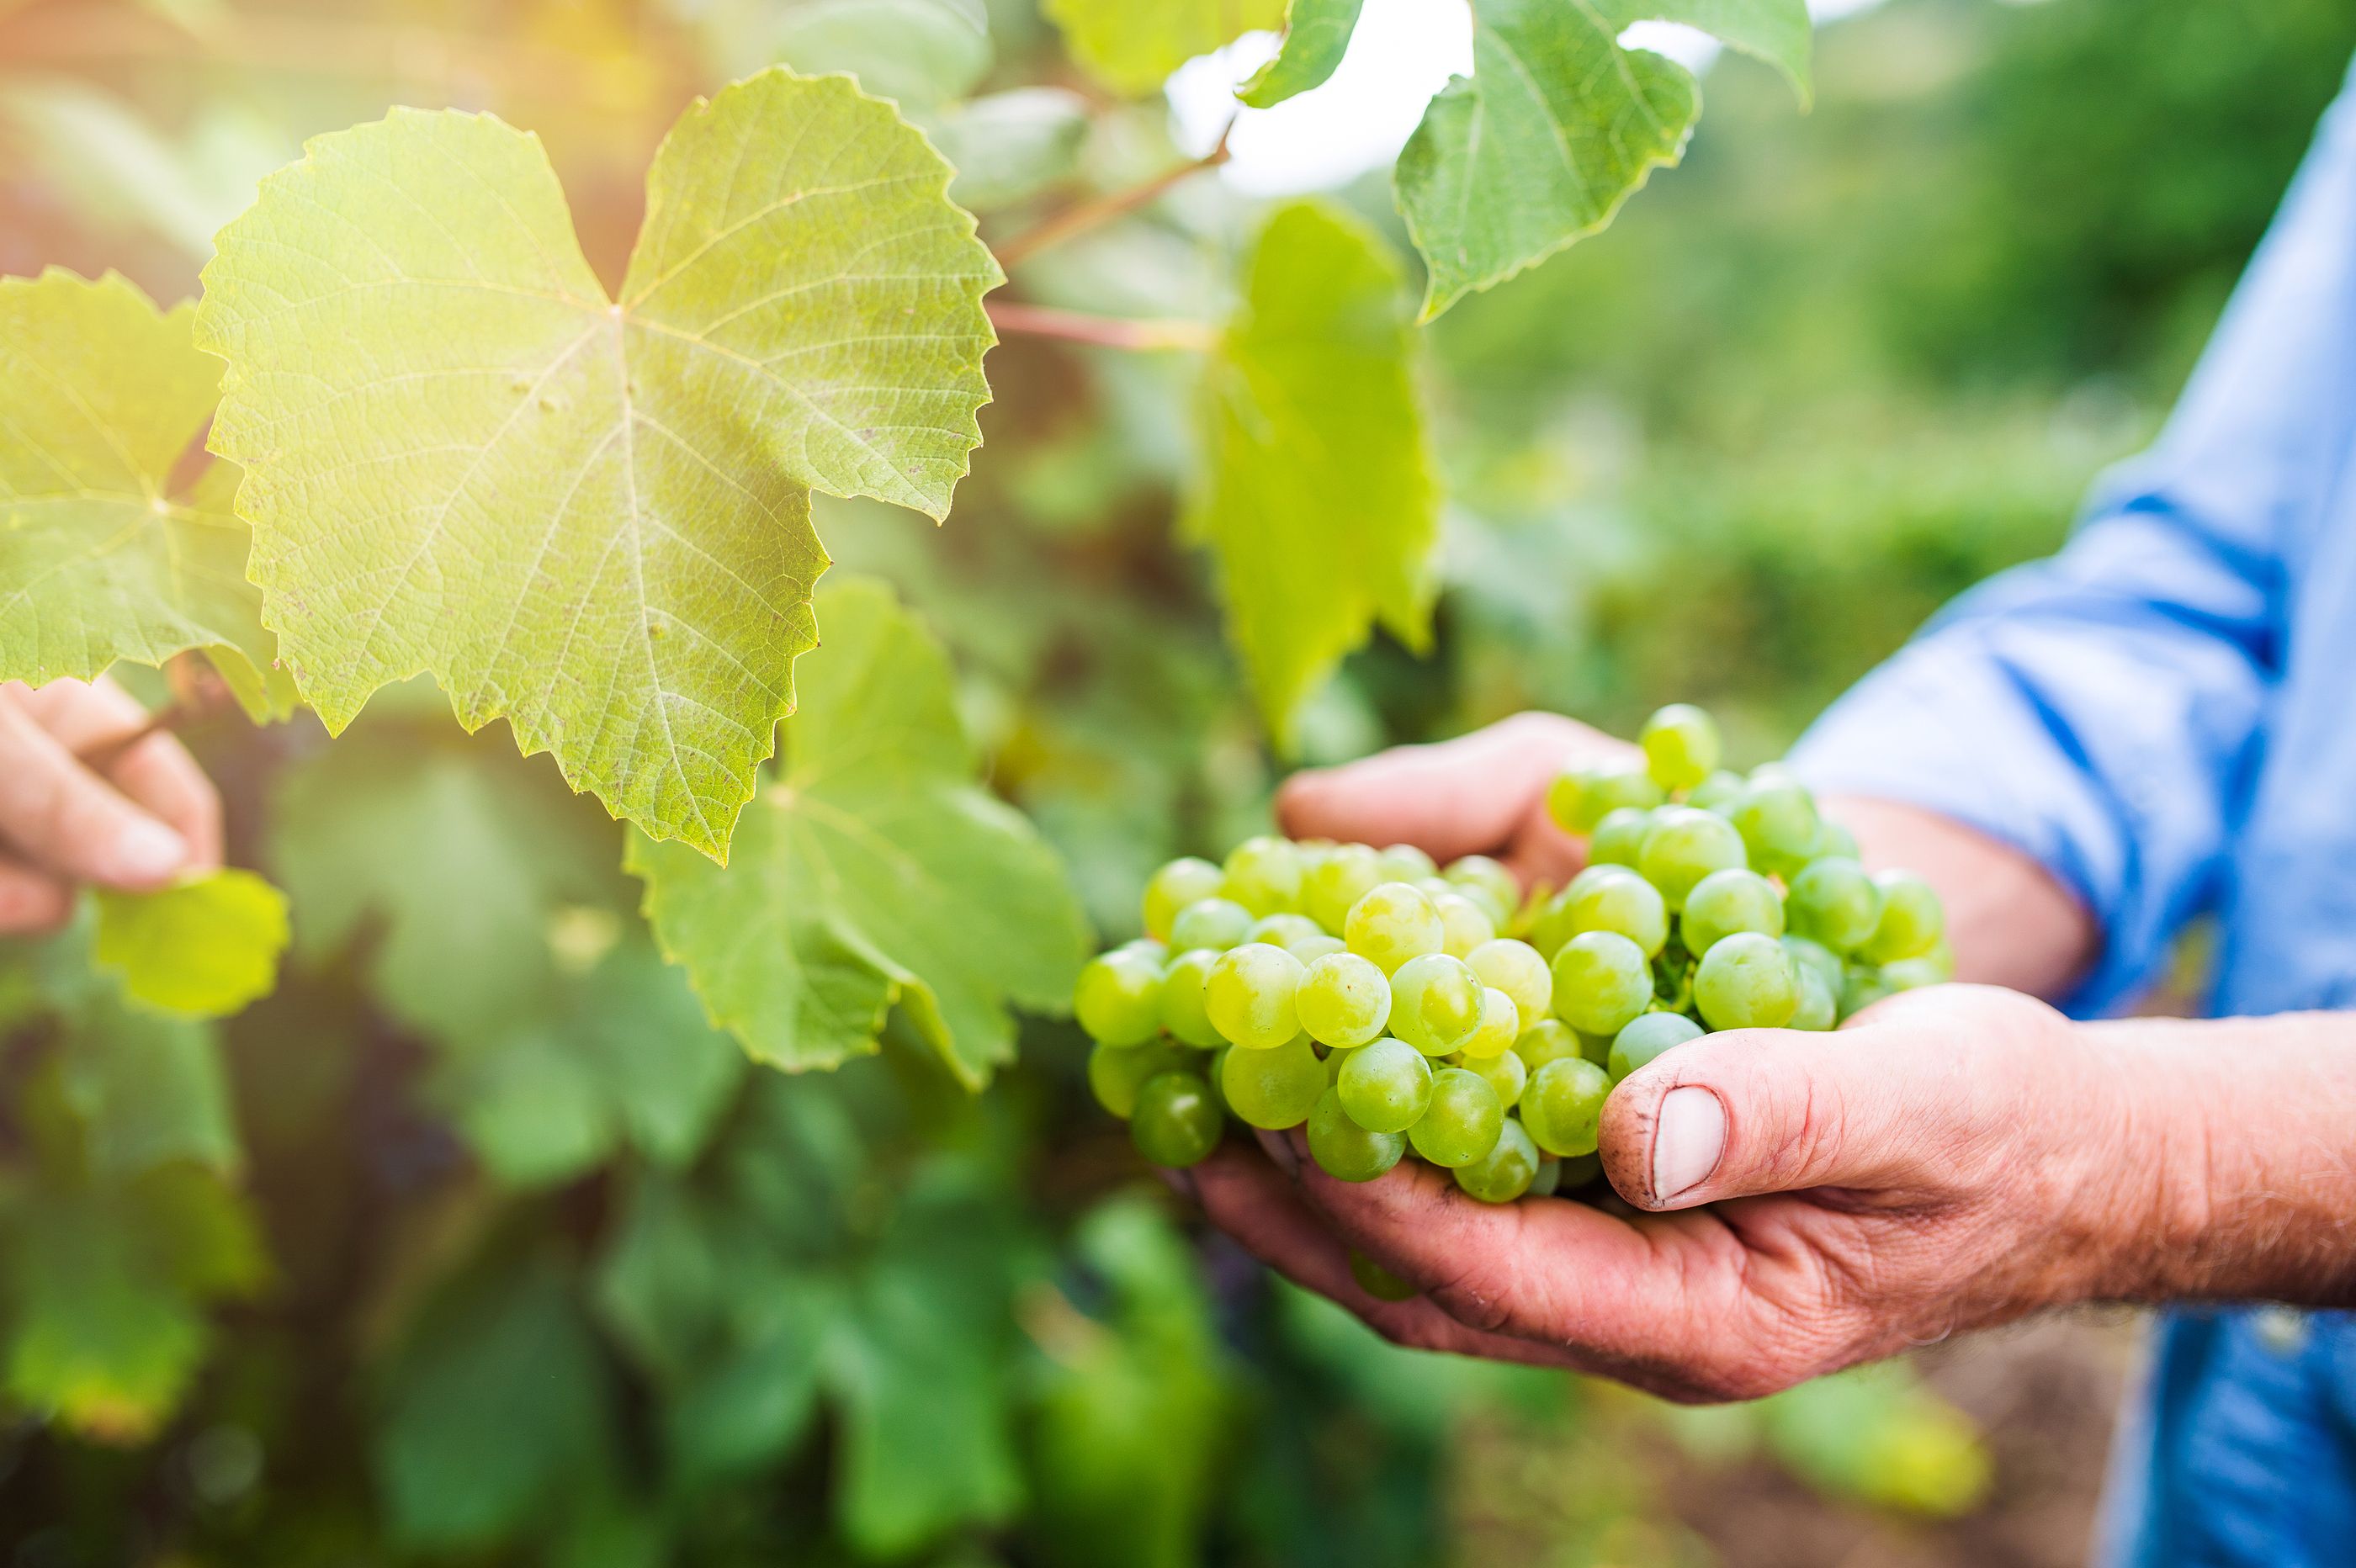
x,y
1395,1008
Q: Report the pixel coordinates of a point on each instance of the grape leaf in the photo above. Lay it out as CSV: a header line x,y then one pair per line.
x,y
1132,45
921,53
101,394
148,1089
589,517
1557,125
873,870
205,948
1316,37
1317,493
1010,146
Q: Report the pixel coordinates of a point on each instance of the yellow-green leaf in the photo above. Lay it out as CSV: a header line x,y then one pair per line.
x,y
1131,46
1316,37
204,948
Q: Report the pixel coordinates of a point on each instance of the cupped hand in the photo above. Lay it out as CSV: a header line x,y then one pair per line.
x,y
146,817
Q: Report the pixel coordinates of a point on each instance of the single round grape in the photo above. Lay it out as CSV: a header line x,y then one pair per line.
x,y
1347,873
1681,746
1464,924
1619,839
1273,1089
1912,920
1579,798
1725,903
1150,947
1816,955
1283,928
1834,901
1309,949
1833,842
1345,1150
1385,1086
1263,874
1623,903
1461,1124
1516,968
1119,998
1684,845
1391,925
1646,1038
1562,1104
1249,996
1819,1005
1489,877
1182,881
1505,1073
1547,1178
1718,792
1336,1060
1213,925
1116,1072
1747,981
1548,1039
1176,1122
1406,863
1777,819
1214,1074
1600,981
1435,1003
1505,1172
1377,1281
1500,1026
1861,986
1342,1000
1913,973
1183,1007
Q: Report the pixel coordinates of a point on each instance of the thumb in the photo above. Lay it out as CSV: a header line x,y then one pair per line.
x,y
1759,1111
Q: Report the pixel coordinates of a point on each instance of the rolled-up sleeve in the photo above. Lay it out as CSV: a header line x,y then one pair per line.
x,y
2104,711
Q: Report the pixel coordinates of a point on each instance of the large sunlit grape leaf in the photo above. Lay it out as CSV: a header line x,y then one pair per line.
x,y
873,871
1316,37
592,517
1317,492
1131,46
203,948
1557,125
100,558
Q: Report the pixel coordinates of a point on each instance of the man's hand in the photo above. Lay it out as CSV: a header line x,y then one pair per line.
x,y
150,816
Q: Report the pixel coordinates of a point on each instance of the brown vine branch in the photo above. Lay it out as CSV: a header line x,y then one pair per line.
x,y
1081,217
99,758
1099,331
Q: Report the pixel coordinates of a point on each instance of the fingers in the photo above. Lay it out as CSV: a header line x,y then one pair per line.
x,y
31,903
157,772
68,821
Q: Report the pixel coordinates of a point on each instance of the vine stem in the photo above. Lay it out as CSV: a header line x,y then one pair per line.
x,y
106,753
1081,217
1099,331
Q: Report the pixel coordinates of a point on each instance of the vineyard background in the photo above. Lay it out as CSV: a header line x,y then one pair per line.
x,y
459,1272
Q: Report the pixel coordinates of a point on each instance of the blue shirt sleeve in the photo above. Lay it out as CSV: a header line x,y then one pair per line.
x,y
2103,709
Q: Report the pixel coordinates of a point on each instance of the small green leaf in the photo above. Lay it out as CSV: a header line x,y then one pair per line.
x,y
1317,494
873,870
204,948
101,394
1316,37
148,1089
1776,31
585,516
1132,45
1010,146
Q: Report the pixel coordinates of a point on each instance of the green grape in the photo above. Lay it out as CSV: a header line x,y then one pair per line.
x,y
1777,819
1834,841
1183,1007
1176,1122
1273,1089
1182,881
1505,1172
1342,1000
1547,1179
1819,1008
1283,928
1263,874
1913,973
1549,1040
1406,863
1680,745
1393,923
1249,993
1463,1122
1619,839
1377,1281
1834,901
1213,1075
1213,925
1860,988
1562,1106
1620,902
1717,793
1747,981
1646,1038
1489,877
1148,946
1500,1026
1912,920
1505,1073
1684,845
1309,949
1514,968
1435,1003
1335,1059
1116,1072
1118,997
1578,1170
1579,798
1347,873
1385,1086
1345,1150
1463,923
1816,955
1600,981
1725,903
